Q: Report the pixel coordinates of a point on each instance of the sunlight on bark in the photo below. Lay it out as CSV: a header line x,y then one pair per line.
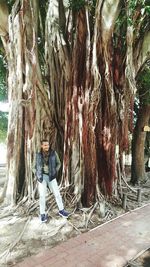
x,y
109,14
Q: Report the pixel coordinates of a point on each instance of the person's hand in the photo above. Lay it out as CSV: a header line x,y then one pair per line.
x,y
40,180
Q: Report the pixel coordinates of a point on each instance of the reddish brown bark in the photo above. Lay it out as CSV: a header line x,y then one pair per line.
x,y
84,102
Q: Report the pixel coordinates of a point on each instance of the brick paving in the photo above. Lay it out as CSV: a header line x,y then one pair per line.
x,y
111,244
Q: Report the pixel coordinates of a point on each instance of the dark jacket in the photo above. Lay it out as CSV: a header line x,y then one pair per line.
x,y
53,164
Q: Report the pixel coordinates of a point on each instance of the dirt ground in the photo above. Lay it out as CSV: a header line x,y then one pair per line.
x,y
22,234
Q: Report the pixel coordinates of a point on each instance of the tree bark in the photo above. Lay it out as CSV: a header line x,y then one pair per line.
x,y
28,100
138,166
78,97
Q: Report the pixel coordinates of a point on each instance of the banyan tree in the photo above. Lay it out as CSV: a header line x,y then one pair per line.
x,y
72,67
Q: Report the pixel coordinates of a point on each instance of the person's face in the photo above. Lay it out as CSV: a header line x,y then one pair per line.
x,y
45,146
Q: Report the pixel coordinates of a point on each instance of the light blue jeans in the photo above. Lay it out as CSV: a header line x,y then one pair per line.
x,y
53,186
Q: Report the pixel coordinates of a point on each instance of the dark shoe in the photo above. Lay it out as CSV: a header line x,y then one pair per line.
x,y
44,218
64,213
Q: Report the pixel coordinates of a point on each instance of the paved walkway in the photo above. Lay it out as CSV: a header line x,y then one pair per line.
x,y
112,244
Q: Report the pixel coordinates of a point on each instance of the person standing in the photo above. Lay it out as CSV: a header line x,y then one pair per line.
x,y
47,167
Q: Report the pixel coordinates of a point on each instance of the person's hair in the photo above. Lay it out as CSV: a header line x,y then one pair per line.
x,y
44,140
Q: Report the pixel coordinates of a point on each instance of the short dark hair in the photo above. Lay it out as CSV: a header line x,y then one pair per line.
x,y
44,140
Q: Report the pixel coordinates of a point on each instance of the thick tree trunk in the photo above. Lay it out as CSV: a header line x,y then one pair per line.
x,y
82,104
107,117
83,93
29,103
81,138
91,126
15,123
94,97
138,166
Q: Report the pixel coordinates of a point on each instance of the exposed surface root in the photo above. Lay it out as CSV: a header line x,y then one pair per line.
x,y
22,234
12,245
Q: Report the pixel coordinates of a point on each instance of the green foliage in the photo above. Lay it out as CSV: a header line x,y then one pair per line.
x,y
76,4
143,84
43,6
3,125
3,71
92,3
10,3
147,10
3,87
132,5
131,11
129,21
139,6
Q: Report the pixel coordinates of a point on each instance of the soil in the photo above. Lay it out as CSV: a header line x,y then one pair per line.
x,y
22,234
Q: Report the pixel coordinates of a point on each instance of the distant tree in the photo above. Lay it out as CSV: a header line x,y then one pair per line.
x,y
143,116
